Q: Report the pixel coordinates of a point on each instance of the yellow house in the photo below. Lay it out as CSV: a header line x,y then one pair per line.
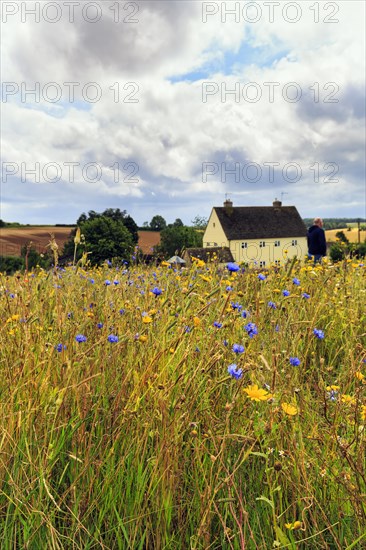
x,y
257,235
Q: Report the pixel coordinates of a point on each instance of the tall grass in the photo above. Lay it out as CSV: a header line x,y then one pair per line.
x,y
148,442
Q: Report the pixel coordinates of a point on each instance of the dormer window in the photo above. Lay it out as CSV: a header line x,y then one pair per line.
x,y
262,244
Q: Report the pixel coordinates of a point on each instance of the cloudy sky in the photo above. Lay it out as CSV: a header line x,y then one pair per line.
x,y
164,107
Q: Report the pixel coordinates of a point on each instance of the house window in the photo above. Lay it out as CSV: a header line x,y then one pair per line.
x,y
207,244
294,242
215,244
262,263
277,262
244,245
277,243
262,244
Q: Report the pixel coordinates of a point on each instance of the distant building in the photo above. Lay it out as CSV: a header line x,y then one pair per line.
x,y
213,254
260,235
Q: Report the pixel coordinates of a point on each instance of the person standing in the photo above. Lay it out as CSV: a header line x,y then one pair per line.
x,y
317,245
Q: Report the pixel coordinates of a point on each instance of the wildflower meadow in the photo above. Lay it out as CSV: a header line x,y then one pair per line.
x,y
213,407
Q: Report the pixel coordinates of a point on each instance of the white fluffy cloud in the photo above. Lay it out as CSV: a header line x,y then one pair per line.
x,y
147,149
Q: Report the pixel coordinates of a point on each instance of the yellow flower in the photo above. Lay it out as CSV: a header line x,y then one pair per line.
x,y
166,264
207,279
198,262
172,350
146,319
289,409
359,375
295,525
257,394
363,412
196,321
142,338
153,312
348,399
334,388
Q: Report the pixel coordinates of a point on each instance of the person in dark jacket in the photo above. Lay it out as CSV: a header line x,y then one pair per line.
x,y
317,245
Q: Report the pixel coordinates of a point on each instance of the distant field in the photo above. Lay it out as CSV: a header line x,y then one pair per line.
x,y
12,239
352,235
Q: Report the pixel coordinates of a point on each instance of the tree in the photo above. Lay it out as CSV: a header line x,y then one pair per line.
x,y
106,239
174,239
178,223
112,234
157,223
199,222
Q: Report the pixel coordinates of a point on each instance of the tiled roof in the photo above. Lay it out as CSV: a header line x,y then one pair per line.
x,y
260,222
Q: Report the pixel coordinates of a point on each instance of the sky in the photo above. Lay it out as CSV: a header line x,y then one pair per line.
x,y
168,107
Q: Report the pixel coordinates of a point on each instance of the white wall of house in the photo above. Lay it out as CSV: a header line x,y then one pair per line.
x,y
214,234
267,252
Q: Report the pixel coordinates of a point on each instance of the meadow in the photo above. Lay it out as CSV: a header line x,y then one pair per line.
x,y
205,408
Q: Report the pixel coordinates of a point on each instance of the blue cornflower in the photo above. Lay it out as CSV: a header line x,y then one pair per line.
x,y
197,350
69,315
11,295
100,325
277,328
286,293
296,281
115,282
121,311
272,305
318,333
91,281
232,267
187,329
80,338
157,291
238,348
234,371
226,343
217,324
251,329
229,288
295,361
332,395
305,295
107,282
237,306
261,277
245,314
112,338
109,263
60,347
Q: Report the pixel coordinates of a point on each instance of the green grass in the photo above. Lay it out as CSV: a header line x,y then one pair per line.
x,y
149,442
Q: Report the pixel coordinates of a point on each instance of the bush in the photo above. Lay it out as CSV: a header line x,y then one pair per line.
x,y
336,253
11,264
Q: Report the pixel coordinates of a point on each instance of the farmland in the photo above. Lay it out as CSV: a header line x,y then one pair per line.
x,y
12,239
204,408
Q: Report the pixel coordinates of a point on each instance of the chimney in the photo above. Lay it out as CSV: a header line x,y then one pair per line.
x,y
277,204
228,205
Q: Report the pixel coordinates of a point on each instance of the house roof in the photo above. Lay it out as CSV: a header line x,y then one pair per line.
x,y
223,254
260,222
